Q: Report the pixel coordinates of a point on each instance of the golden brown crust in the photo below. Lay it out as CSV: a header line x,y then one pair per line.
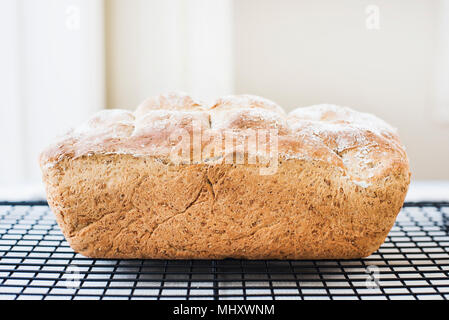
x,y
340,180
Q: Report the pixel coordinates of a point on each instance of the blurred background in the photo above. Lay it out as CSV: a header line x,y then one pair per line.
x,y
62,60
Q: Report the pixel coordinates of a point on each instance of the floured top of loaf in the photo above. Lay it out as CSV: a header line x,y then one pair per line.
x,y
177,128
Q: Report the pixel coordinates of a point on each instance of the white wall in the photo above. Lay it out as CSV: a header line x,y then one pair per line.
x,y
160,46
52,63
11,131
300,53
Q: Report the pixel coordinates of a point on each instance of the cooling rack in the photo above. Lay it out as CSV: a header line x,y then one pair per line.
x,y
37,263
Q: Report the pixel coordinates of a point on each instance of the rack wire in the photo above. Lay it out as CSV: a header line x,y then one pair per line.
x,y
37,263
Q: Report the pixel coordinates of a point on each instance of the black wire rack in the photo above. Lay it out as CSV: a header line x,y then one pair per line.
x,y
37,263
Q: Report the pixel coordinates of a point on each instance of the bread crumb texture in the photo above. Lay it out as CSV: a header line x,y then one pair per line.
x,y
340,180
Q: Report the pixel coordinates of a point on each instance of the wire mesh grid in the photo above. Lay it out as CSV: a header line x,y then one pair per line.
x,y
37,263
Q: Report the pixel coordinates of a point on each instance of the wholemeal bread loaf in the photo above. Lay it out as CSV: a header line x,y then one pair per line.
x,y
180,179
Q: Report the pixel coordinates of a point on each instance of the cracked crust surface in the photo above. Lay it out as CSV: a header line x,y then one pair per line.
x,y
341,179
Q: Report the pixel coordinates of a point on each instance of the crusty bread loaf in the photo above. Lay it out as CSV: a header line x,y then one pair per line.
x,y
179,179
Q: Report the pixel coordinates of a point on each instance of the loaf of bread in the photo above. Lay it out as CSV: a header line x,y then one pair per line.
x,y
179,179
